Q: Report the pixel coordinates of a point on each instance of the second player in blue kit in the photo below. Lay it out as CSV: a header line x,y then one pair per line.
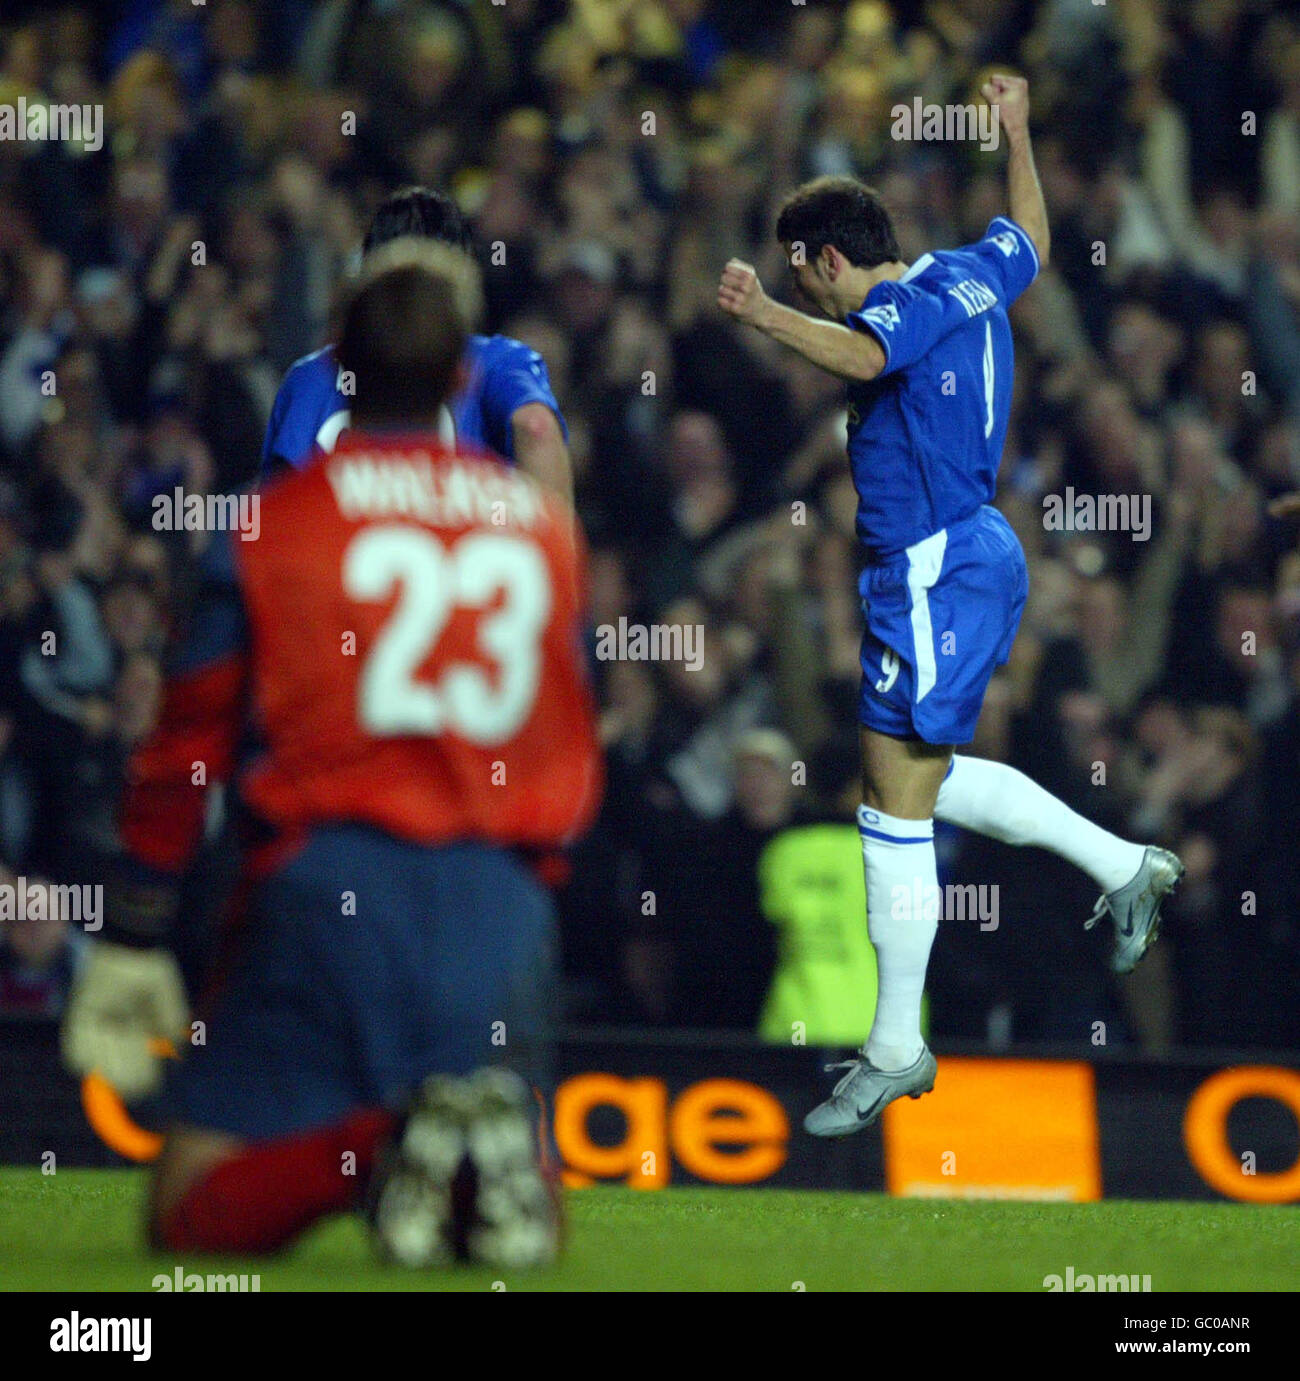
x,y
926,350
503,401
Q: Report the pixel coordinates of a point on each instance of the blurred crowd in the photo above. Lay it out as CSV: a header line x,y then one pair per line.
x,y
613,154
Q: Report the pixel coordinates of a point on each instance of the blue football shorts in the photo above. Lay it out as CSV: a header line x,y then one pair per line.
x,y
371,963
940,619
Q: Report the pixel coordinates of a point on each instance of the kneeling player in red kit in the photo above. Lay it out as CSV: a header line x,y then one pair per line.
x,y
391,675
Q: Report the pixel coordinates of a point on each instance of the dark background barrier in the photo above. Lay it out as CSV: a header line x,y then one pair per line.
x,y
1041,1124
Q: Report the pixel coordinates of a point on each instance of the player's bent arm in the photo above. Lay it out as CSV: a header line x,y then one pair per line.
x,y
540,450
837,349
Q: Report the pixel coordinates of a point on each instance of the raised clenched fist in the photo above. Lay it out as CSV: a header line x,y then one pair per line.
x,y
1010,97
740,294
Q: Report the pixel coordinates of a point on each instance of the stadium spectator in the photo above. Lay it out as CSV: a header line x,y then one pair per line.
x,y
39,955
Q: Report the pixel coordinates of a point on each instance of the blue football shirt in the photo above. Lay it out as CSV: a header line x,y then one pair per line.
x,y
926,435
311,410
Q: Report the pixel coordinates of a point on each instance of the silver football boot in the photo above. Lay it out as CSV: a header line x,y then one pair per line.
x,y
865,1092
1135,907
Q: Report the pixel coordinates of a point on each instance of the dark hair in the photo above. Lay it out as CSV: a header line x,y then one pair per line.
x,y
402,338
843,212
418,211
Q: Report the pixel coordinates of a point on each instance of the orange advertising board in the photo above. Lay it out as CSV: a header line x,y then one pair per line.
x,y
997,1129
1004,1128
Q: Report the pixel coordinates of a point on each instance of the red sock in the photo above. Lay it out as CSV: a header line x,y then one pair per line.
x,y
266,1194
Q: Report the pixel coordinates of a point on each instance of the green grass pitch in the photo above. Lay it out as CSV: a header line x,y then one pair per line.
x,y
78,1230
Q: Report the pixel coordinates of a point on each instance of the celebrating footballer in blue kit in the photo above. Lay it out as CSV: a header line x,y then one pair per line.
x,y
504,403
927,352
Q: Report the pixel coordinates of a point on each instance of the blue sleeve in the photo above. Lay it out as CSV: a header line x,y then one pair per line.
x,y
1009,256
301,405
289,435
271,443
513,377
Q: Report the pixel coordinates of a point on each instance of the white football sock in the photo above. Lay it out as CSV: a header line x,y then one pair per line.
x,y
994,799
902,918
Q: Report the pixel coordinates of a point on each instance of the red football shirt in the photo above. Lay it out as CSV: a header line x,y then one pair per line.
x,y
415,656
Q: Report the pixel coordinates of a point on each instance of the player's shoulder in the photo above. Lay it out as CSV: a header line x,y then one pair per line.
x,y
1008,239
312,378
930,273
881,309
319,365
1004,251
500,352
935,271
938,269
